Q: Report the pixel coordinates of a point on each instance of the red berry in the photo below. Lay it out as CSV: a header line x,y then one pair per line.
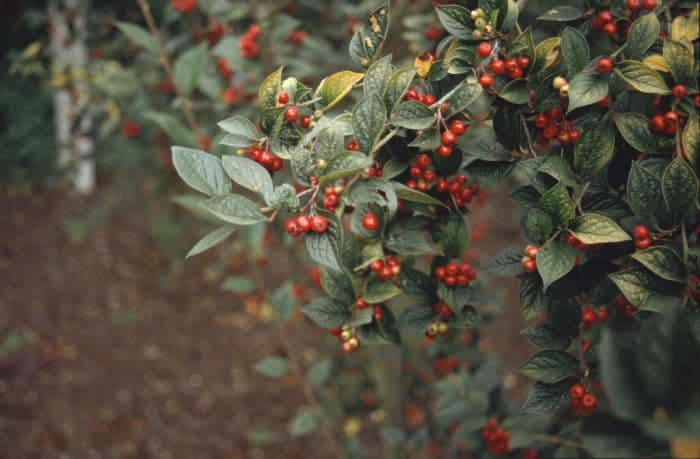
x,y
458,127
529,265
642,244
441,185
423,161
587,316
462,280
640,232
292,228
486,81
577,391
523,62
605,65
319,224
429,176
448,138
498,67
184,6
440,272
304,223
563,137
361,303
444,151
550,133
414,171
411,94
515,73
291,114
370,221
610,29
658,123
679,91
450,281
376,265
574,135
604,102
606,17
649,4
588,403
633,5
531,251
696,101
428,99
511,64
282,97
484,49
541,121
305,122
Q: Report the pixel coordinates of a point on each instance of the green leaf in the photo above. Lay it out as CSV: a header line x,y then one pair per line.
x,y
416,318
283,197
586,89
378,291
679,186
330,142
138,35
663,262
641,77
532,299
467,318
546,337
544,398
325,248
334,88
248,174
538,225
559,168
368,190
691,140
557,204
643,33
304,423
463,98
393,168
338,285
178,132
238,284
597,229
413,115
550,366
380,332
319,372
634,128
327,312
188,68
210,240
397,86
555,260
429,139
269,88
507,263
368,40
344,165
455,297
241,132
644,194
409,194
273,367
455,237
377,76
407,242
564,13
200,170
455,19
368,118
635,284
484,149
679,60
417,285
283,302
515,92
595,149
574,49
236,209
459,58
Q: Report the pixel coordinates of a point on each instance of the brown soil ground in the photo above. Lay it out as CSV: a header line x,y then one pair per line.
x,y
123,364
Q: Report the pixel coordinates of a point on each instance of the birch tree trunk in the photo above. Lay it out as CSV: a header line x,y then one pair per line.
x,y
68,19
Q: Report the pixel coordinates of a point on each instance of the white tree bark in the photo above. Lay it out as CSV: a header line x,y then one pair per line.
x,y
68,19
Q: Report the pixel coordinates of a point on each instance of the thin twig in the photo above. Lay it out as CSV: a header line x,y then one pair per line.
x,y
580,196
167,66
527,136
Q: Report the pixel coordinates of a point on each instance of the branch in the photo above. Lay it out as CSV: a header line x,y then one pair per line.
x,y
167,66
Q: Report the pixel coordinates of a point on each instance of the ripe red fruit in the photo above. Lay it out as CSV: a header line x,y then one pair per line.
x,y
458,127
304,223
291,114
131,129
319,224
605,65
649,4
484,49
696,101
411,94
574,135
370,222
523,62
541,121
305,121
428,99
429,176
679,91
444,151
448,138
441,186
282,97
184,6
658,123
604,102
550,133
588,403
276,164
529,265
610,29
640,232
587,316
486,81
515,73
642,244
376,265
633,5
563,137
450,281
606,17
531,251
576,391
292,228
498,67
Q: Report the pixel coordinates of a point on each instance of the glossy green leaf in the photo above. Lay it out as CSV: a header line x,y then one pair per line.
x,y
634,128
550,366
595,149
597,229
663,262
643,33
210,240
368,118
327,312
641,77
235,209
379,291
679,186
456,20
564,13
507,263
586,89
138,35
555,260
679,60
201,171
556,203
413,115
241,132
574,49
248,174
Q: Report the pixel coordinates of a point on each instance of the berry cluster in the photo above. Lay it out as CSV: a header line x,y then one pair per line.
x,y
449,138
291,113
552,126
421,175
529,260
296,37
248,45
183,6
590,317
458,191
425,99
352,146
230,95
331,199
624,307
386,270
302,224
434,329
453,274
665,123
581,400
642,239
347,336
634,5
131,129
511,67
496,437
484,28
265,158
224,68
605,21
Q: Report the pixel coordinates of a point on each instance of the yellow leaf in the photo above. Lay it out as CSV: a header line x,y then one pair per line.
x,y
548,51
352,427
333,88
31,50
112,110
423,63
656,62
685,28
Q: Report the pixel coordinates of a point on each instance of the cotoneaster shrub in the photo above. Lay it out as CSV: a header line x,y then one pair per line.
x,y
375,169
